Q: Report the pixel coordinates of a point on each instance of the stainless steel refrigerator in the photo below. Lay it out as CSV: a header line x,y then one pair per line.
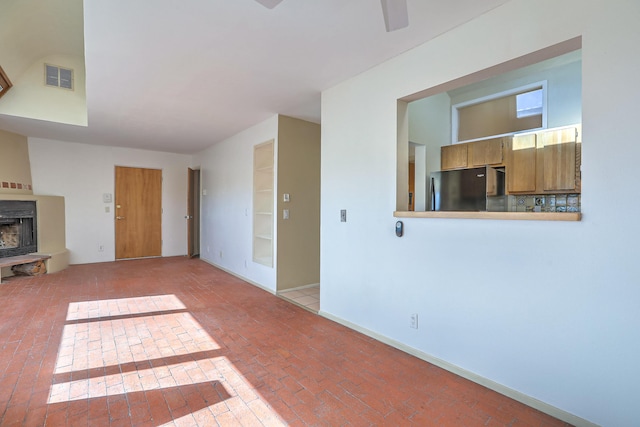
x,y
473,189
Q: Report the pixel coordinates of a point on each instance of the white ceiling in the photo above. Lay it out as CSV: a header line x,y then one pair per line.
x,y
179,76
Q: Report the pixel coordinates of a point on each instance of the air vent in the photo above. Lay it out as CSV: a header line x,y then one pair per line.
x,y
5,83
58,76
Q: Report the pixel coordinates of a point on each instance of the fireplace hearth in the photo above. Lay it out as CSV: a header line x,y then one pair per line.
x,y
18,234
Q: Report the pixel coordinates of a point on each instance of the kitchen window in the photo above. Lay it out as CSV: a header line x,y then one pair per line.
x,y
529,103
520,109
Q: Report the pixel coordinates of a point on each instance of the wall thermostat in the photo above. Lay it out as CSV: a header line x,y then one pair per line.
x,y
399,228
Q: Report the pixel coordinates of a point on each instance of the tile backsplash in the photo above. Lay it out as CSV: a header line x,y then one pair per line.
x,y
544,203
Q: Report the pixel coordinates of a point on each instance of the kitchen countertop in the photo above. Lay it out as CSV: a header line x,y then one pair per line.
x,y
524,216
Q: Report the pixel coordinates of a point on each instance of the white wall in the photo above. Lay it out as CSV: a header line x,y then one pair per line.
x,y
83,173
430,118
30,97
430,125
564,83
549,309
226,213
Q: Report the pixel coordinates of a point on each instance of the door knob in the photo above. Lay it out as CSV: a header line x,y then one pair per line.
x,y
119,217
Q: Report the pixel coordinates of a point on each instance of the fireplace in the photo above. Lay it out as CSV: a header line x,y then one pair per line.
x,y
18,234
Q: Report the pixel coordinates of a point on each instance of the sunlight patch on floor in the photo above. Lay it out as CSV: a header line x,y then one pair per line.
x,y
123,306
132,345
99,343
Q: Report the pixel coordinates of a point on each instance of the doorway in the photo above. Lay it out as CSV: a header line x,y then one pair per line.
x,y
138,213
412,183
193,214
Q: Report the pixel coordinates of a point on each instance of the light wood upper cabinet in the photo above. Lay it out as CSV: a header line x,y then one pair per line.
x,y
544,162
521,164
453,156
535,163
486,152
472,154
559,160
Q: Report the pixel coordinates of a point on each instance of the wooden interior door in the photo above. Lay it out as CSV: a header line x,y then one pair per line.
x,y
412,186
138,213
193,214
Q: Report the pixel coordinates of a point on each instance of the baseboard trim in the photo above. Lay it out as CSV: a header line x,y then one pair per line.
x,y
497,387
471,376
297,288
233,273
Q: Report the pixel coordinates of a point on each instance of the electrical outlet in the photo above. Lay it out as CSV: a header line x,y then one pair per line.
x,y
220,254
101,248
343,215
414,321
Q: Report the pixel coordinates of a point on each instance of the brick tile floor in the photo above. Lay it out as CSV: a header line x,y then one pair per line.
x,y
176,342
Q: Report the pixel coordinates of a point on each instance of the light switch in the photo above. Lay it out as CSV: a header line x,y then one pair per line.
x,y
343,215
107,209
285,197
285,214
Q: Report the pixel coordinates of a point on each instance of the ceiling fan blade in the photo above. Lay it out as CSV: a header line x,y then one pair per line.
x,y
269,3
395,14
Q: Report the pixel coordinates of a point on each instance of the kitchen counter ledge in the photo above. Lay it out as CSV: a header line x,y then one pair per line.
x,y
524,216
